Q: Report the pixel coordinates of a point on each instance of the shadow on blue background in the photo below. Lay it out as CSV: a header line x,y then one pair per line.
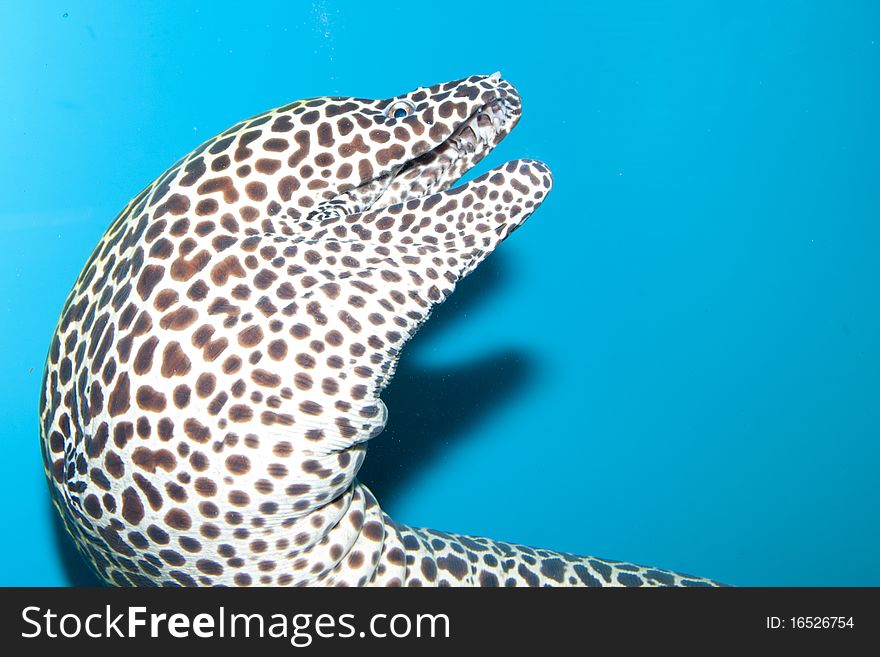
x,y
674,362
434,406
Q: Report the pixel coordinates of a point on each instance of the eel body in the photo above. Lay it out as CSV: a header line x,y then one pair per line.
x,y
216,370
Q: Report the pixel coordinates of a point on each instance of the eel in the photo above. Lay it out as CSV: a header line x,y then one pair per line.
x,y
215,374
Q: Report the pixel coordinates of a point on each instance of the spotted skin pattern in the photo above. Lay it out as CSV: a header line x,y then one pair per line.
x,y
216,370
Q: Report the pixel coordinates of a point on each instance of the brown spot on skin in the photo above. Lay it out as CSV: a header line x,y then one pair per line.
x,y
205,384
198,291
429,569
277,350
149,278
144,428
154,497
166,429
191,545
132,507
143,359
310,408
287,186
93,506
113,464
386,155
325,135
210,567
196,430
454,565
365,169
202,335
120,400
267,166
356,145
300,331
373,530
282,124
238,464
182,269
178,519
282,449
238,388
251,336
149,460
396,557
180,319
324,160
303,139
231,365
229,266
303,381
276,145
150,399
181,396
179,227
206,207
264,279
174,361
165,299
222,184
265,378
157,535
194,171
94,444
209,530
353,325
331,290
438,132
256,191
205,487
176,204
531,578
240,413
214,348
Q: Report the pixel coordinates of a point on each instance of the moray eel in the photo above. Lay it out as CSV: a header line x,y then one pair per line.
x,y
215,374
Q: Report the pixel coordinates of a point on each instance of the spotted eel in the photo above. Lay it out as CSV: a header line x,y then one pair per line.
x,y
215,373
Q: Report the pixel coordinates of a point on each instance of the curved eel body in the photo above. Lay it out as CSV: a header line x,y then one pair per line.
x,y
215,374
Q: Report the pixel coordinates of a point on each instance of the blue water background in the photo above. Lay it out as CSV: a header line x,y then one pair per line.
x,y
674,362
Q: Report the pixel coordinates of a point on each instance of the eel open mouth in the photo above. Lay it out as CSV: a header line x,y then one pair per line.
x,y
438,169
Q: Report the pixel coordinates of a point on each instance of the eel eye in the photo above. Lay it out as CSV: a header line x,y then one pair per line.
x,y
399,109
